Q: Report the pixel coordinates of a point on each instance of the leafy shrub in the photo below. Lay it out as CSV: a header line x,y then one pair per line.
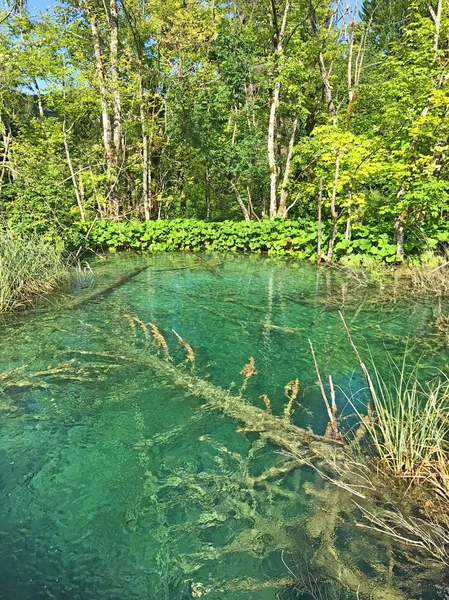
x,y
281,237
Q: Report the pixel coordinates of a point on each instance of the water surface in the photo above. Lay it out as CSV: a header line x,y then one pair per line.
x,y
115,484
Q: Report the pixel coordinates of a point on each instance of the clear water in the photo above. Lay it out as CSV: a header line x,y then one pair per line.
x,y
115,484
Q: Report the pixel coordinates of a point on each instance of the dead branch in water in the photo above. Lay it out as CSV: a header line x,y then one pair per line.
x,y
366,374
160,340
291,391
188,347
331,412
421,534
267,403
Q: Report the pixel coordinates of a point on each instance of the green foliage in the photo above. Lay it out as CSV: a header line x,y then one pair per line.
x,y
191,97
296,238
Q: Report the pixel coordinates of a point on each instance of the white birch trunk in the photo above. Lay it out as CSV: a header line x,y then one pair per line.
x,y
272,150
115,92
282,210
274,105
333,209
72,173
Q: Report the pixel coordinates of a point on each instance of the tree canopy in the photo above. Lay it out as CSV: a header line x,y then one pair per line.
x,y
227,110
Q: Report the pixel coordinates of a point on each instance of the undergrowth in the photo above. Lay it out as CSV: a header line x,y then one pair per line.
x,y
281,237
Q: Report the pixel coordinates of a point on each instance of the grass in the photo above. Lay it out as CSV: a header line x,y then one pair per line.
x,y
394,283
409,425
30,267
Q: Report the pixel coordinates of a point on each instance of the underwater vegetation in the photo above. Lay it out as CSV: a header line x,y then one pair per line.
x,y
351,478
192,426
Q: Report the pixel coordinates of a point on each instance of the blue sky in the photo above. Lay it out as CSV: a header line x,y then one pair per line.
x,y
36,6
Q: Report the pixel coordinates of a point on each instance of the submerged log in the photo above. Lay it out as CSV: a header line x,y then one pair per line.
x,y
118,283
108,289
348,475
276,430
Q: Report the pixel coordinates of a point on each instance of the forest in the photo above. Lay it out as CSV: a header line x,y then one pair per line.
x,y
332,115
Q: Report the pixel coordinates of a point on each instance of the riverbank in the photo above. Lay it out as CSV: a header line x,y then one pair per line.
x,y
369,260
32,267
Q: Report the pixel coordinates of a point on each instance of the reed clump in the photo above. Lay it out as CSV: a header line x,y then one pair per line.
x,y
410,428
30,267
409,423
427,278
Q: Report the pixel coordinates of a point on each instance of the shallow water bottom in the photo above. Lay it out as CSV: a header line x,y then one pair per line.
x,y
117,484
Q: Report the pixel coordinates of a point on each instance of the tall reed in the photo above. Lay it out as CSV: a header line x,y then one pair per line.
x,y
410,423
30,267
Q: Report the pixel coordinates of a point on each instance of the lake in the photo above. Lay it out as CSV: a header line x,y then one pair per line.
x,y
117,483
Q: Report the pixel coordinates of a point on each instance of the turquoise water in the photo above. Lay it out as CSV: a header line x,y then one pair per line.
x,y
116,484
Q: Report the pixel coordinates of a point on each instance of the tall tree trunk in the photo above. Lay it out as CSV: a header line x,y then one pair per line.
x,y
143,109
399,232
39,98
271,149
115,92
146,165
282,210
320,202
106,122
111,155
333,209
207,178
243,208
6,143
72,172
348,225
81,187
399,236
116,104
108,137
436,16
250,204
348,231
182,194
274,105
327,89
351,92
